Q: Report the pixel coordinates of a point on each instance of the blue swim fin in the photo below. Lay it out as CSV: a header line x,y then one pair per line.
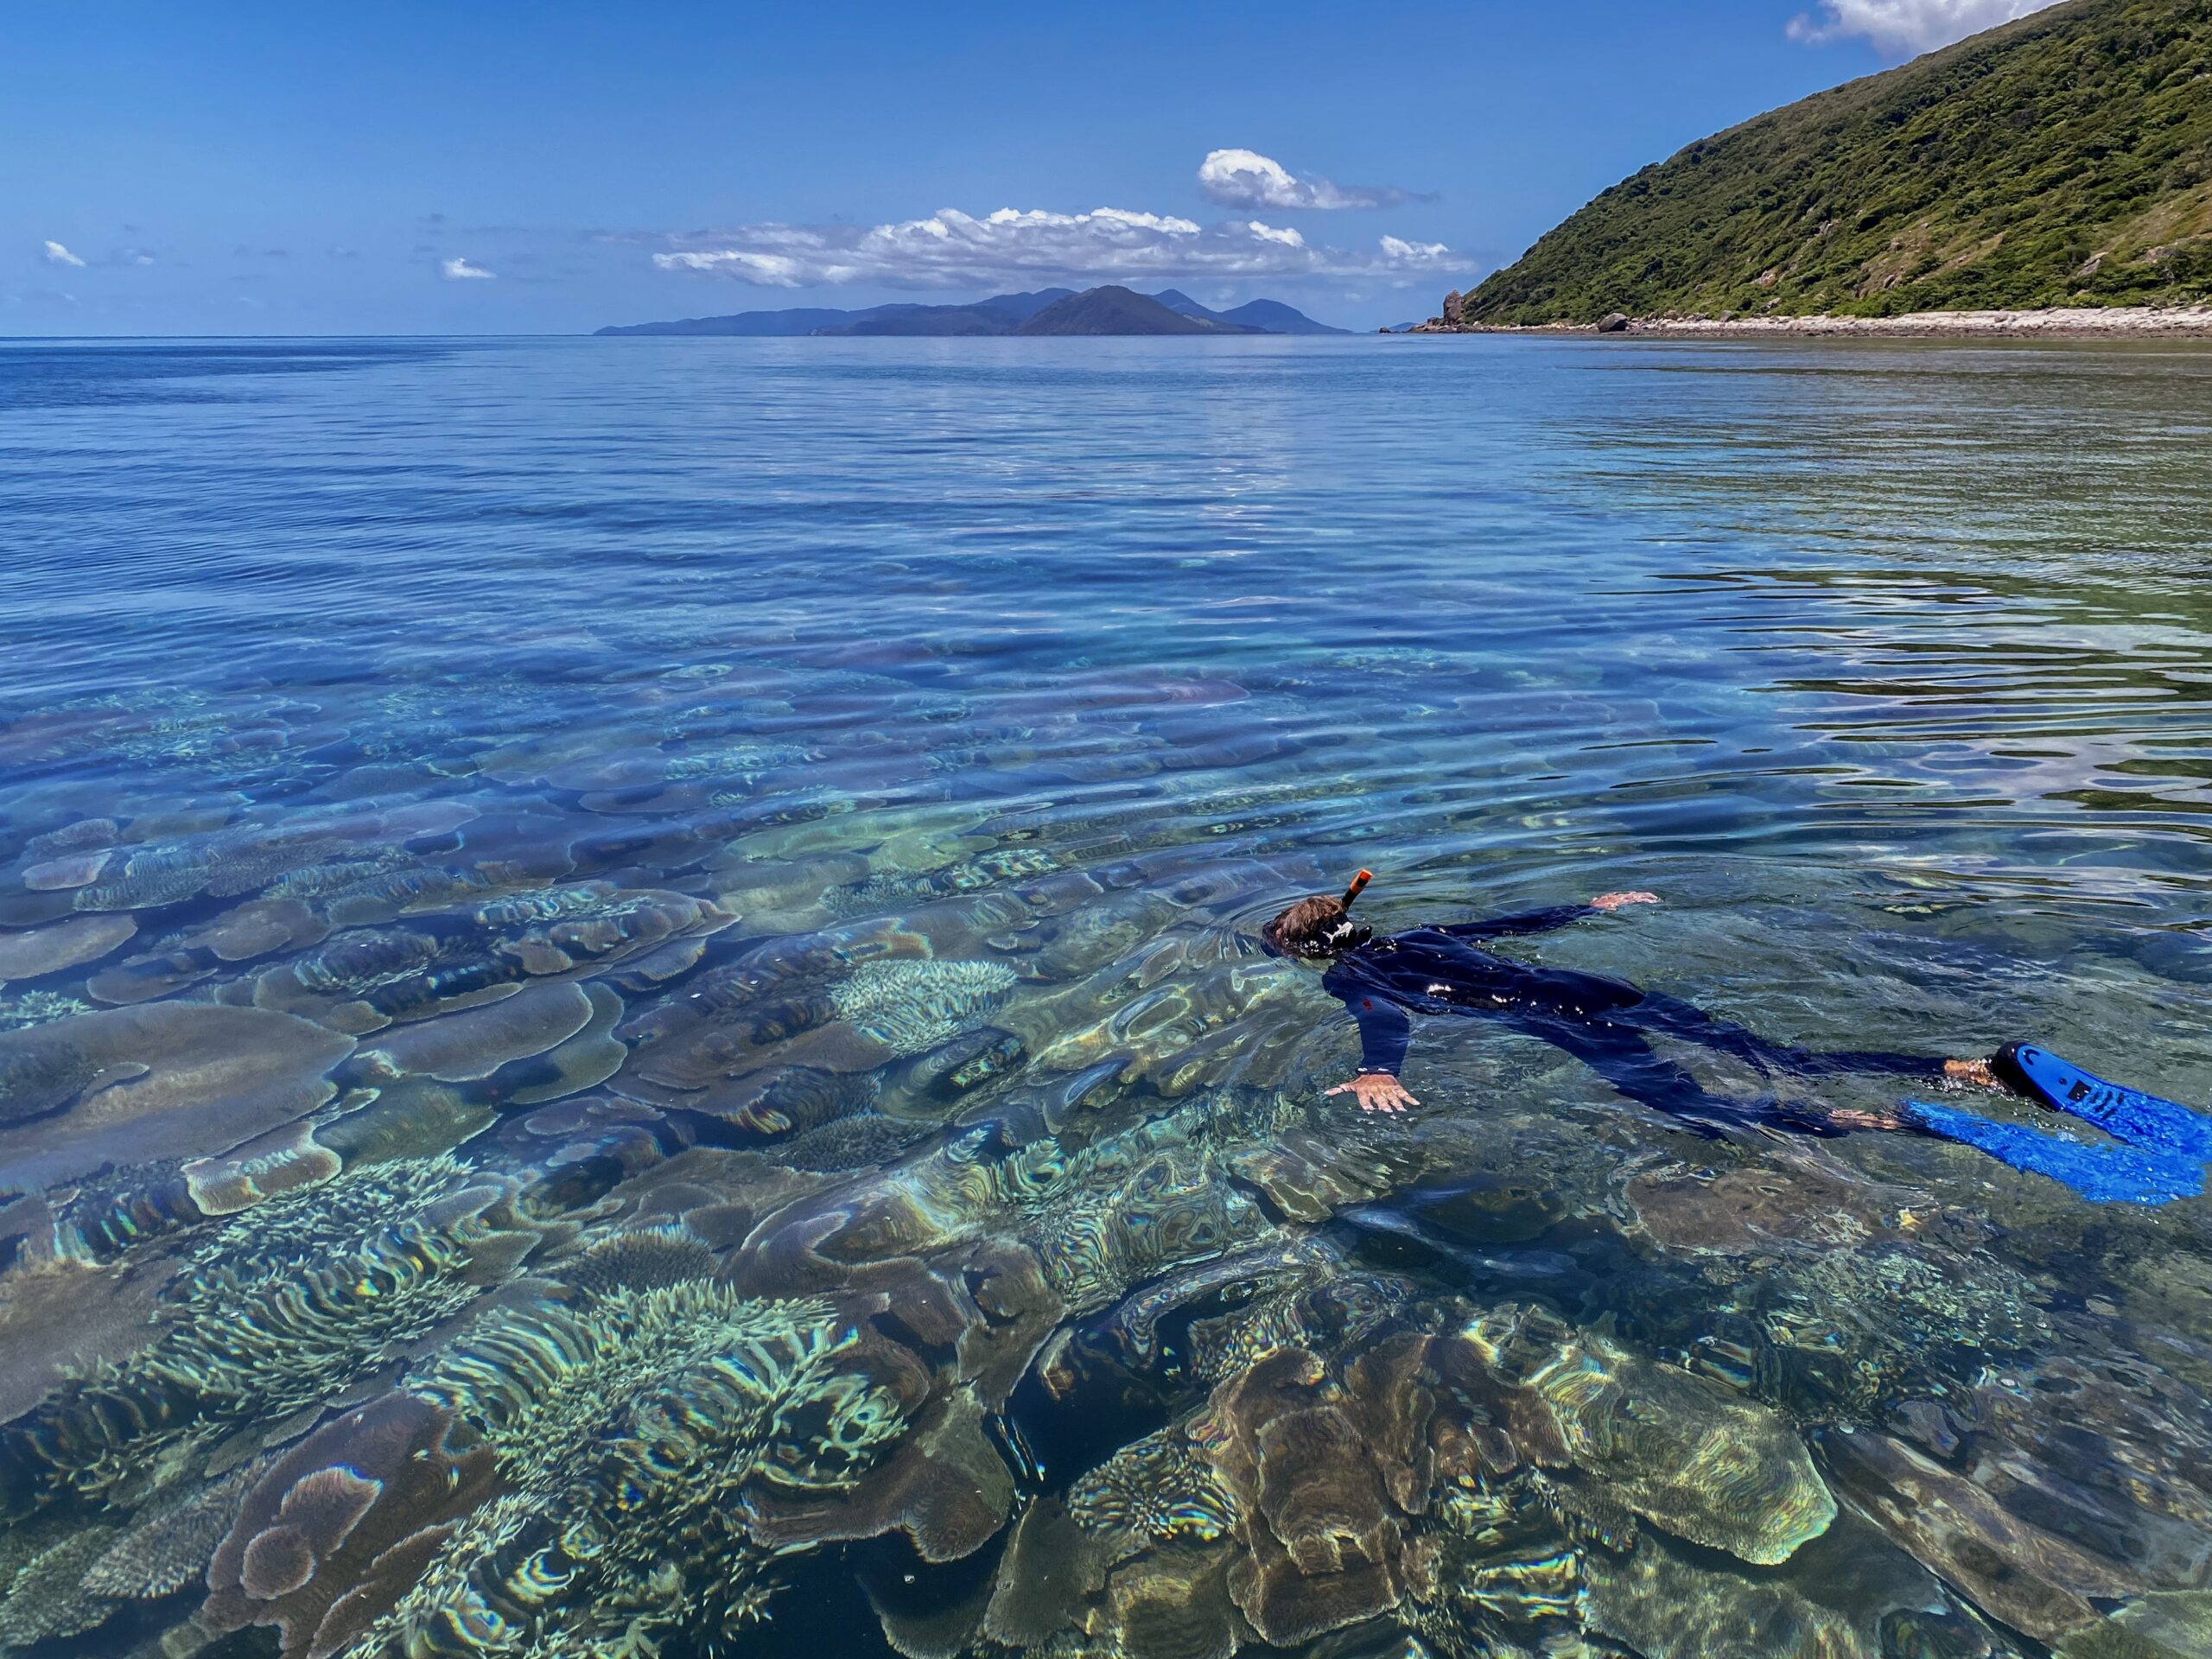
x,y
2102,1174
2125,1114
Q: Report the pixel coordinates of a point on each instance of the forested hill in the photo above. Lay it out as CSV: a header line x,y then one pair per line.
x,y
2063,159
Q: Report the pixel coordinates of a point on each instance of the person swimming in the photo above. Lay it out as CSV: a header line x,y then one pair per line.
x,y
1608,1024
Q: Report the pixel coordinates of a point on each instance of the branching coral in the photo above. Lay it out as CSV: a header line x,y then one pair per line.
x,y
629,1435
910,1006
47,1597
283,1307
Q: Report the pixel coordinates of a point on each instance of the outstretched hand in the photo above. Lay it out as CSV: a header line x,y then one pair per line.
x,y
1377,1091
1615,900
1849,1118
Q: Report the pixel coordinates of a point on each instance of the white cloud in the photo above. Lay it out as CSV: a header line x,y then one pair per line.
x,y
1245,178
58,255
459,270
1906,26
1012,247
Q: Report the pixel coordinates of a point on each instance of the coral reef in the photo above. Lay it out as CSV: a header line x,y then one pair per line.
x,y
342,1526
169,1544
909,1006
47,1597
627,1445
364,979
435,1224
38,951
168,1079
278,1310
852,1143
1686,1454
38,1008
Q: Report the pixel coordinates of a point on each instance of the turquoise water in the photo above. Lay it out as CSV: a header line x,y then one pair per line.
x,y
635,1023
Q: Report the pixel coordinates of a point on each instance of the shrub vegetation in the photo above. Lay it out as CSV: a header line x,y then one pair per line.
x,y
2065,159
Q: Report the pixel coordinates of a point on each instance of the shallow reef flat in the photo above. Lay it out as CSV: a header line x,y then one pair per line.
x,y
668,1056
562,1205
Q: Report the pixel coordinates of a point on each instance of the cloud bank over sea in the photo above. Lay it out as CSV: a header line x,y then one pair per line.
x,y
1013,247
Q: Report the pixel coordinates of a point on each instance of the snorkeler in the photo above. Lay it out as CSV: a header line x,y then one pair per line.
x,y
1608,1024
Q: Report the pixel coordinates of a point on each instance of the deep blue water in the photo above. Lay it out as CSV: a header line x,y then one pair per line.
x,y
812,804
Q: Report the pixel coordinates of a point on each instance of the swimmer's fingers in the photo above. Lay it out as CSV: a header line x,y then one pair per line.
x,y
1848,1117
1616,901
1377,1092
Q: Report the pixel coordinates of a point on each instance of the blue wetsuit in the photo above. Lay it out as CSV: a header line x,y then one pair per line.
x,y
1604,1023
1607,1024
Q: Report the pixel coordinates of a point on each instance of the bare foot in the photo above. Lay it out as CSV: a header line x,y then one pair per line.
x,y
1976,1072
1615,900
1846,1118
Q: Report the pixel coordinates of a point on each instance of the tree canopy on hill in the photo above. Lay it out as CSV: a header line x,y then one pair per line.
x,y
2063,159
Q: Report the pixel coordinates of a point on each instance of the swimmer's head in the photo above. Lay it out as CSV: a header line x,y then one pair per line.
x,y
1321,925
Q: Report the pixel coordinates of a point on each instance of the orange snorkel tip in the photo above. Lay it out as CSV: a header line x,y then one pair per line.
x,y
1358,885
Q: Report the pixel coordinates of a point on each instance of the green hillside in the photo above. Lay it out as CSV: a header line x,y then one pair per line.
x,y
2063,159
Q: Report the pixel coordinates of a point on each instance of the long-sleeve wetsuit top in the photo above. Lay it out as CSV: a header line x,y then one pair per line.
x,y
1441,970
1605,1022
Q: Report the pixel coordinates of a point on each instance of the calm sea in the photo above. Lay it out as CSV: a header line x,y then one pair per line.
x,y
630,1013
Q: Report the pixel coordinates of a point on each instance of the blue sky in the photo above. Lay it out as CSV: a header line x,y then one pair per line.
x,y
494,167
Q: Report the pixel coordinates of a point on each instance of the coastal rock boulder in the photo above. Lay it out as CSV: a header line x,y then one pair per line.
x,y
1613,322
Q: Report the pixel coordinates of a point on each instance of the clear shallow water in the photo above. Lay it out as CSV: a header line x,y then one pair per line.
x,y
640,1007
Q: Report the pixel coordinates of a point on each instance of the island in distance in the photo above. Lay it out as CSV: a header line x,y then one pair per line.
x,y
1107,310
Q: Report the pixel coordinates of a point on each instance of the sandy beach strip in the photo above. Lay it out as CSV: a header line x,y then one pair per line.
x,y
2083,322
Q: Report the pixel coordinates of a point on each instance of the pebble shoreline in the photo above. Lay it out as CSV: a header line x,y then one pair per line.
x,y
2076,323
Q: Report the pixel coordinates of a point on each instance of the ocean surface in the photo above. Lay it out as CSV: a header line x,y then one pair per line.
x,y
631,1019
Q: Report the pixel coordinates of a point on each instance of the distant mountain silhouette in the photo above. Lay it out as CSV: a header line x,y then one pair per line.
x,y
1004,310
1000,314
1274,317
1116,310
809,319
1005,313
1268,316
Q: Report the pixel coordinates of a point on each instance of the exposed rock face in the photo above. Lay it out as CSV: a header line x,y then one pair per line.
x,y
1455,309
1613,322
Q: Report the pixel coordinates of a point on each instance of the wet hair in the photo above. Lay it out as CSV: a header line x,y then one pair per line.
x,y
1320,926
